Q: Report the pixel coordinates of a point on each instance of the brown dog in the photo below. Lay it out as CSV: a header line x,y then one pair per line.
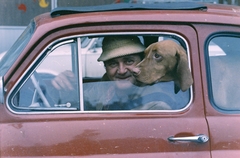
x,y
164,61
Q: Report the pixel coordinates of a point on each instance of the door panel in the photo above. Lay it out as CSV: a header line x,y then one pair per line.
x,y
103,136
102,133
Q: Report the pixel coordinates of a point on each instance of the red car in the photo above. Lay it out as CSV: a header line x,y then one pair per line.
x,y
92,120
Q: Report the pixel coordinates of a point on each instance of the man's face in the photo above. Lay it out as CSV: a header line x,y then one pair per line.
x,y
118,69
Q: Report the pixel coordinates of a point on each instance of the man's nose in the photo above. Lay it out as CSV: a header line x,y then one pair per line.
x,y
122,68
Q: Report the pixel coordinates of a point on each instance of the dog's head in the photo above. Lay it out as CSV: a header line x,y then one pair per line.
x,y
164,61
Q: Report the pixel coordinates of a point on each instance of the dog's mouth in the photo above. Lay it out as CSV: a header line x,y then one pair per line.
x,y
140,84
158,80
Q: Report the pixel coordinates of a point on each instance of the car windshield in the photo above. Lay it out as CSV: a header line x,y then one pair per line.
x,y
9,57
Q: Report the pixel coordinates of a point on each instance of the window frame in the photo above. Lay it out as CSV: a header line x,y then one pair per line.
x,y
52,45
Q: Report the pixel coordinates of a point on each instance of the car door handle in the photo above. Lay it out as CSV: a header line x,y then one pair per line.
x,y
201,138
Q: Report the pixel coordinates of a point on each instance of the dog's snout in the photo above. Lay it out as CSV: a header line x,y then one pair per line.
x,y
136,71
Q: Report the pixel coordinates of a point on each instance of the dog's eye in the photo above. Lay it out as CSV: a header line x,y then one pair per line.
x,y
157,56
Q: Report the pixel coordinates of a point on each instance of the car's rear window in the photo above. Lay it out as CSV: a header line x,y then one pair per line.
x,y
224,86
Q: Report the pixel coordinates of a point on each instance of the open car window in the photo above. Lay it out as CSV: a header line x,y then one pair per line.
x,y
76,60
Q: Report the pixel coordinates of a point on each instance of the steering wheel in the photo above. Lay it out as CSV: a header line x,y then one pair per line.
x,y
39,91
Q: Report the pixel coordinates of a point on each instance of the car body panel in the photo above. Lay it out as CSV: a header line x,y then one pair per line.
x,y
124,134
100,127
91,135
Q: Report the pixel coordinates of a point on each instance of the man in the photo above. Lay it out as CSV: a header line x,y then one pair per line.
x,y
120,54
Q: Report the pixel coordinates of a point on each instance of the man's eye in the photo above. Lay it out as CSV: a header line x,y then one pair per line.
x,y
112,64
129,62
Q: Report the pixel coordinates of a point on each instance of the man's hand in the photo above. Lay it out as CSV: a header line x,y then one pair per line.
x,y
64,81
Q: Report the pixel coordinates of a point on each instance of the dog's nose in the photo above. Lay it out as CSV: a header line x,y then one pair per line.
x,y
135,71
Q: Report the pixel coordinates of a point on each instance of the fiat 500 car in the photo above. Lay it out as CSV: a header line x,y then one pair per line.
x,y
201,121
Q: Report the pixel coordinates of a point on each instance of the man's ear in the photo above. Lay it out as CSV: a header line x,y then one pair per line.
x,y
184,76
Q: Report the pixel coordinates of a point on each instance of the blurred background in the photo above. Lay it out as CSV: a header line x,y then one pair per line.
x,y
16,14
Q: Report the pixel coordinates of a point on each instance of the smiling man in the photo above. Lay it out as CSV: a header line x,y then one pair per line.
x,y
120,55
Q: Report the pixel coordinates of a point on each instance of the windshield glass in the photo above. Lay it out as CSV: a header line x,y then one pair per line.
x,y
9,57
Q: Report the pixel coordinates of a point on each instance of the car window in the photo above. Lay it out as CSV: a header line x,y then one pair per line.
x,y
69,76
38,91
224,56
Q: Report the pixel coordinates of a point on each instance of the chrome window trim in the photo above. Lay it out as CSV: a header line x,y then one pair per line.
x,y
48,48
79,49
1,90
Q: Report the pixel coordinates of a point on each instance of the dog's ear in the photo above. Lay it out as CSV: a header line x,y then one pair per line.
x,y
184,77
176,87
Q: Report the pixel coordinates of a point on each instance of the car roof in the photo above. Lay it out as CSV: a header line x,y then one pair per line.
x,y
178,12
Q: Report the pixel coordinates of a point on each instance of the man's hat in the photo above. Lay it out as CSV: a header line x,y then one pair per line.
x,y
120,45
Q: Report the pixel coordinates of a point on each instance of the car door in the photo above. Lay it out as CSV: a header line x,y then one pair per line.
x,y
39,120
221,87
